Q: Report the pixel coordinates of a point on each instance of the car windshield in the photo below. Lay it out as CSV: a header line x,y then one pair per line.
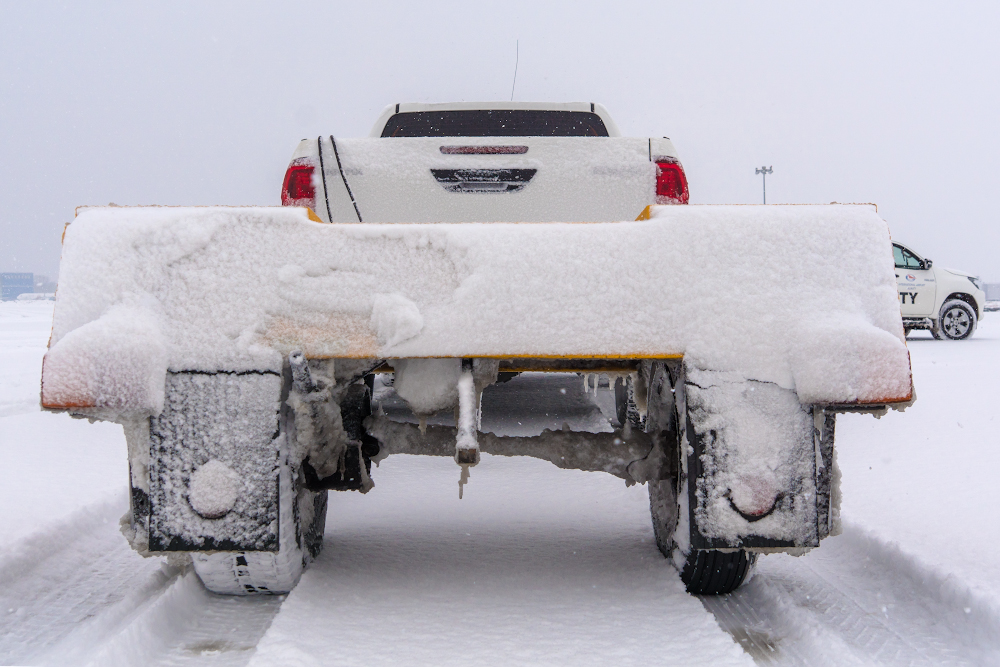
x,y
495,123
905,259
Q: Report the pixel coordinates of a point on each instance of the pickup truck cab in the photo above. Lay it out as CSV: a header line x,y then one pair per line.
x,y
947,302
486,162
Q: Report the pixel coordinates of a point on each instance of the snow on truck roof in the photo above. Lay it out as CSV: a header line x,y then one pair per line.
x,y
744,289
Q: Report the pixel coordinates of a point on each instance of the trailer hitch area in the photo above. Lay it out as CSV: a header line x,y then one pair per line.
x,y
469,415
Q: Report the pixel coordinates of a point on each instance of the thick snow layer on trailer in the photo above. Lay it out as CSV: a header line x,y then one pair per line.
x,y
803,296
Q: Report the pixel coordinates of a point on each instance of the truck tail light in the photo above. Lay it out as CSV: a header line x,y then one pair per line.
x,y
671,183
298,188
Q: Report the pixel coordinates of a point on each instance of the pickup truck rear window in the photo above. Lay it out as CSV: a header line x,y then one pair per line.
x,y
495,123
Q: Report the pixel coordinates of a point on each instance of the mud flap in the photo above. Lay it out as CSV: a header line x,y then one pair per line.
x,y
759,464
229,418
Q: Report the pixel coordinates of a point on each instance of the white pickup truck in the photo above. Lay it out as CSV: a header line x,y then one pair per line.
x,y
486,162
947,302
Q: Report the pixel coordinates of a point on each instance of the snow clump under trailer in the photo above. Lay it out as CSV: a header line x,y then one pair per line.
x,y
237,345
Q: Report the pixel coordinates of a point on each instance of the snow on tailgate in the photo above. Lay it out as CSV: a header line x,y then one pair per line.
x,y
803,296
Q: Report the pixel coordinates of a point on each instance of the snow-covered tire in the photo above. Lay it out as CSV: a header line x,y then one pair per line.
x,y
956,321
625,406
302,520
663,510
704,572
708,572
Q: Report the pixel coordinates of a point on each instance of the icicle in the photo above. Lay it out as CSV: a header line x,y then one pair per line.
x,y
463,479
422,425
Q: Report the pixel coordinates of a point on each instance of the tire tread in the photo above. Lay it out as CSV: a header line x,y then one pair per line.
x,y
709,572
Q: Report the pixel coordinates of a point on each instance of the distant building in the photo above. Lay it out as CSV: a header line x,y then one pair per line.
x,y
43,285
14,284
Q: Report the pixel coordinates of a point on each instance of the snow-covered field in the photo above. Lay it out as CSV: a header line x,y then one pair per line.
x,y
536,565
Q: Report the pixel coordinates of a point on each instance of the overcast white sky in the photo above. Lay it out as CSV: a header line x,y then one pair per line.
x,y
203,103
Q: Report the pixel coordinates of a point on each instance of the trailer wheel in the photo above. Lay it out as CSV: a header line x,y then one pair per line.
x,y
302,520
708,572
663,509
625,406
704,572
957,321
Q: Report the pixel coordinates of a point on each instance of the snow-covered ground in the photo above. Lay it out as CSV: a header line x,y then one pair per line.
x,y
535,565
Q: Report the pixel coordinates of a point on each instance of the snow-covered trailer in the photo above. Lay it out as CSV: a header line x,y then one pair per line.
x,y
234,344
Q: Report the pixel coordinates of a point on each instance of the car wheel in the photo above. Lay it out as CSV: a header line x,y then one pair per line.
x,y
957,321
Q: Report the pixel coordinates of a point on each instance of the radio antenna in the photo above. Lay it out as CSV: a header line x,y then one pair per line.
x,y
517,57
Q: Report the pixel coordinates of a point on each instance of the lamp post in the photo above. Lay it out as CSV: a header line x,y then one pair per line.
x,y
764,171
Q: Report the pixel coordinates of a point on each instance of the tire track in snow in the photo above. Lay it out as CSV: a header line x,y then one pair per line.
x,y
187,625
857,600
77,594
535,565
68,575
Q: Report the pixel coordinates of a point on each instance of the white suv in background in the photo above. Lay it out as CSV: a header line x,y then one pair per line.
x,y
947,302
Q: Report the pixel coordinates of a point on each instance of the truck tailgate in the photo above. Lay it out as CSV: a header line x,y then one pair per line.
x,y
486,179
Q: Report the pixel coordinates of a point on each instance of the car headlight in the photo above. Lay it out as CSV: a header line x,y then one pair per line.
x,y
975,281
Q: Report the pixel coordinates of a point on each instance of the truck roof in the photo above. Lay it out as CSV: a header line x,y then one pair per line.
x,y
411,107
